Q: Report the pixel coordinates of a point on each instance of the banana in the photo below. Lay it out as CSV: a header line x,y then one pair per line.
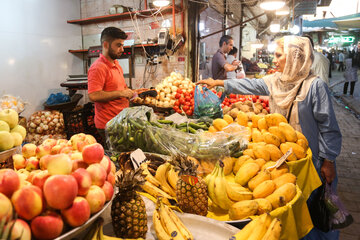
x,y
168,224
160,231
172,177
211,181
274,230
161,173
263,225
237,194
183,229
149,177
98,226
221,197
157,192
246,232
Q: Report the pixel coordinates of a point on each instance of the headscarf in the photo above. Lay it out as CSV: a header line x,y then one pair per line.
x,y
284,87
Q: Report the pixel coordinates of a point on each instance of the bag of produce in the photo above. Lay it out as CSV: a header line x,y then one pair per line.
x,y
138,127
207,103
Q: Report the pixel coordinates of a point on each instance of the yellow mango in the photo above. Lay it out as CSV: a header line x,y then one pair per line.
x,y
274,151
268,164
249,132
219,124
260,151
236,194
242,119
228,119
271,139
264,189
274,119
302,143
260,162
301,136
228,165
262,123
285,178
212,129
239,162
250,124
246,172
284,147
249,152
277,172
282,195
288,131
298,150
264,206
259,178
257,136
255,118
243,209
276,131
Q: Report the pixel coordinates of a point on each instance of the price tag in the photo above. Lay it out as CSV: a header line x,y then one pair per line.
x,y
137,158
281,160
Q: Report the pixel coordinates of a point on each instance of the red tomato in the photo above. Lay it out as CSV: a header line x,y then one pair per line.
x,y
214,91
182,101
179,90
232,95
186,94
232,100
177,95
176,108
267,109
192,102
219,94
264,105
222,105
179,111
258,100
177,103
187,103
188,98
189,112
185,108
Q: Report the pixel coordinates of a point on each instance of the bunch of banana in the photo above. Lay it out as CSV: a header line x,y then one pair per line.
x,y
261,228
96,232
161,175
217,188
169,226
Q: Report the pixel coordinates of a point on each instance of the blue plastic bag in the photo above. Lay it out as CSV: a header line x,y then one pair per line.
x,y
207,103
57,99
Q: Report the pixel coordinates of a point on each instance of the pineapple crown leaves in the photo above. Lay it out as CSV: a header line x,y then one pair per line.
x,y
184,165
5,230
130,180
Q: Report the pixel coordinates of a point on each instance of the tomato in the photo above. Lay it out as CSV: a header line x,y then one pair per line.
x,y
264,105
214,91
187,103
258,100
267,109
188,98
179,111
176,108
219,94
186,94
186,107
232,100
192,102
179,90
189,112
222,105
232,95
182,101
177,103
177,95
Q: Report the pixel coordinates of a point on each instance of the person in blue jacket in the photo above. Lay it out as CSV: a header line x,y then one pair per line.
x,y
304,99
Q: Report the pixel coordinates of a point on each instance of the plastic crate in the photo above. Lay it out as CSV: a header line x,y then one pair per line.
x,y
81,121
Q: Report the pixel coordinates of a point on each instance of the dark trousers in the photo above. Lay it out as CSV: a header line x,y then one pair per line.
x,y
341,67
352,87
330,70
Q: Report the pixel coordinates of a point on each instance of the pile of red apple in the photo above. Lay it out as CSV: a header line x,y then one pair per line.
x,y
56,185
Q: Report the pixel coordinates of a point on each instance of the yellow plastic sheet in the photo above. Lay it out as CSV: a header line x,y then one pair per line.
x,y
307,178
295,218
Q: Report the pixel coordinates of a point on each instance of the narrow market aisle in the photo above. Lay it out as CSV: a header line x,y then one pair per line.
x,y
348,167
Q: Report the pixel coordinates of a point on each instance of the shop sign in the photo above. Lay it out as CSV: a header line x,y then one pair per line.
x,y
341,39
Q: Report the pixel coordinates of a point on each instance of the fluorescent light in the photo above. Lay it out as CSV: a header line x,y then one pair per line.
x,y
275,26
283,11
272,5
161,3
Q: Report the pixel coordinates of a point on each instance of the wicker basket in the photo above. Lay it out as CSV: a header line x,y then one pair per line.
x,y
6,157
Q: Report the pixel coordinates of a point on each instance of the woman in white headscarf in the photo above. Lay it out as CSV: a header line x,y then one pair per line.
x,y
304,100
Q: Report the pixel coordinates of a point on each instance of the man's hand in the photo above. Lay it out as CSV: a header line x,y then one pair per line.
x,y
210,83
235,62
328,171
127,93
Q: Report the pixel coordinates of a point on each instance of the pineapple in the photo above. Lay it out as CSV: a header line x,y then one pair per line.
x,y
128,211
191,190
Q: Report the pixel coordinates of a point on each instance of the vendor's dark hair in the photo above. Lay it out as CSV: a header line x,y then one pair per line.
x,y
226,39
110,34
233,51
310,38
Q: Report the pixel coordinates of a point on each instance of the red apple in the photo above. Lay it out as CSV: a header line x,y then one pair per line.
x,y
49,142
6,208
60,191
31,175
59,164
78,213
83,179
97,173
62,142
9,182
106,163
19,161
48,226
75,155
93,153
29,150
20,230
79,141
40,178
28,202
111,178
66,150
57,149
108,190
32,163
42,150
76,164
96,198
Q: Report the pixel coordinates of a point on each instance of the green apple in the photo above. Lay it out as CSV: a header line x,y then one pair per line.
x,y
20,129
4,126
6,141
10,116
17,138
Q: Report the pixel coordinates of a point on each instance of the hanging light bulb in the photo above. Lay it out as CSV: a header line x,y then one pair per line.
x,y
275,26
161,3
272,5
283,11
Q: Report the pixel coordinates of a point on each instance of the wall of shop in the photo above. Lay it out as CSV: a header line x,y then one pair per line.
x,y
34,57
143,30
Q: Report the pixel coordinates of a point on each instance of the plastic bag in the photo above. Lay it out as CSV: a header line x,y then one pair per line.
x,y
11,102
136,127
57,98
320,214
339,217
207,103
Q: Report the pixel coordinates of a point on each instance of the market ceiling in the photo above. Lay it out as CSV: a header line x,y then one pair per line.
x,y
232,8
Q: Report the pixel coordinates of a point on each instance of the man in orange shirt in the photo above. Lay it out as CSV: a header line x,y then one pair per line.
x,y
106,83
